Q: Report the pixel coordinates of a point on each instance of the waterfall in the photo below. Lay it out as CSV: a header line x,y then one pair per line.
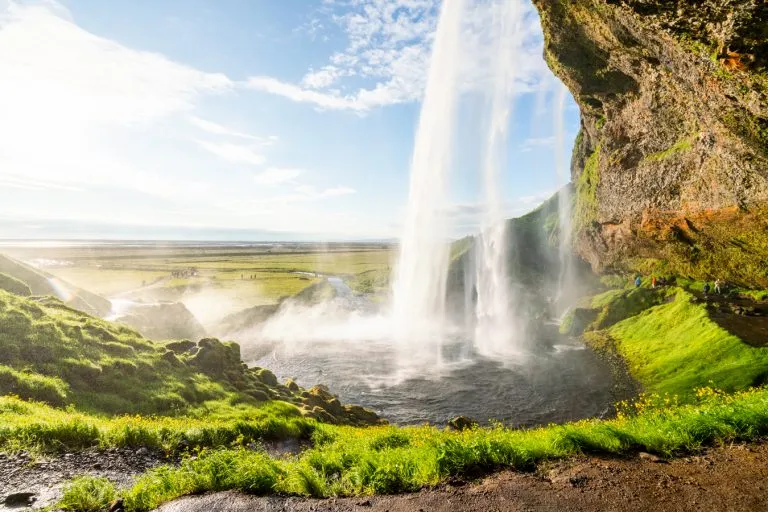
x,y
565,277
420,282
495,310
419,290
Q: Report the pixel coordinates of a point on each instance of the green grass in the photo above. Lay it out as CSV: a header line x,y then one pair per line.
x,y
353,461
53,353
43,429
675,347
88,494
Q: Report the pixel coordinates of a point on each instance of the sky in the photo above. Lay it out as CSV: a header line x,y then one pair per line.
x,y
247,119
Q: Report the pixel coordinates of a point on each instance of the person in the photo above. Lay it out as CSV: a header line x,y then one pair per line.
x,y
653,282
638,282
718,283
706,288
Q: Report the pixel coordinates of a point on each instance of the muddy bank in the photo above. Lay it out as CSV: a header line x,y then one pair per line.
x,y
729,478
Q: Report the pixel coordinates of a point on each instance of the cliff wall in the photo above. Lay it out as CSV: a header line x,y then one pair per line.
x,y
671,164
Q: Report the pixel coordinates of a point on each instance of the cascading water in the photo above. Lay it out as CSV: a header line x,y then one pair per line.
x,y
565,277
494,331
420,285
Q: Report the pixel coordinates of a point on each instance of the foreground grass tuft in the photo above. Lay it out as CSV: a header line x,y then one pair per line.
x,y
88,494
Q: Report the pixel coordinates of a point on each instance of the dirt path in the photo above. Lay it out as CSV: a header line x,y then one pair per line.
x,y
733,478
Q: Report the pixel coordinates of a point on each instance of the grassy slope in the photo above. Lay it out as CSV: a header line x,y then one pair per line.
x,y
53,353
675,347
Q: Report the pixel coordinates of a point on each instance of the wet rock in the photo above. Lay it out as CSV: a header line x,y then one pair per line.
x,y
461,423
20,499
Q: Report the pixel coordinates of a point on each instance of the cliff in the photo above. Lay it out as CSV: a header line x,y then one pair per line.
x,y
671,164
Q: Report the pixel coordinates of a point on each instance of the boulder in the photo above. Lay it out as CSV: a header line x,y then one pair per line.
x,y
462,423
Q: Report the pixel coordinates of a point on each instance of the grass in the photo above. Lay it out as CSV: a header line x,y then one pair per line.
x,y
237,281
40,428
675,347
353,461
88,494
56,354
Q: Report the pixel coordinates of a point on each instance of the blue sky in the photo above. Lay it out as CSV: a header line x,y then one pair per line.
x,y
244,119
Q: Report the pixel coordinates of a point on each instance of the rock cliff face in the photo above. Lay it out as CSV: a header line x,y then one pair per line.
x,y
671,164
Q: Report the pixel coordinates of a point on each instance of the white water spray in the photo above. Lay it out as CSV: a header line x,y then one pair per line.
x,y
420,285
565,278
495,331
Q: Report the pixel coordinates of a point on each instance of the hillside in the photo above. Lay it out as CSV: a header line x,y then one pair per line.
x,y
671,164
42,283
61,356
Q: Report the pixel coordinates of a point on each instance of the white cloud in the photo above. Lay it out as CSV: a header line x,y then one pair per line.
x,y
235,153
388,46
218,129
276,175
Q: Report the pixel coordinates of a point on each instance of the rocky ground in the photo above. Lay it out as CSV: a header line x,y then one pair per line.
x,y
730,478
742,316
37,482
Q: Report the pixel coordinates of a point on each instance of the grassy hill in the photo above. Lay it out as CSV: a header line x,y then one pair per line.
x,y
42,283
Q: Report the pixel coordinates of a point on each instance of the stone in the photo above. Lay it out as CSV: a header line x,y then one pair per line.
x,y
651,457
292,386
117,506
20,499
462,423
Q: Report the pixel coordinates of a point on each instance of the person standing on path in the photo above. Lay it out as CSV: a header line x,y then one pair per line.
x,y
653,282
638,282
718,283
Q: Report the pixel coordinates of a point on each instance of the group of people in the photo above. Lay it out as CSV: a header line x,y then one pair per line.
x,y
661,281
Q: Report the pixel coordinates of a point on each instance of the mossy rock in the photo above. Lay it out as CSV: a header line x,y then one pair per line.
x,y
292,386
267,377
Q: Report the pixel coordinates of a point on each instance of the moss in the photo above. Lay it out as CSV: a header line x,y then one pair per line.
x,y
681,146
586,191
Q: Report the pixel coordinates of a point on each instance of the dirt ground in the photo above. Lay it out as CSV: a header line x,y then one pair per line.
x,y
730,478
